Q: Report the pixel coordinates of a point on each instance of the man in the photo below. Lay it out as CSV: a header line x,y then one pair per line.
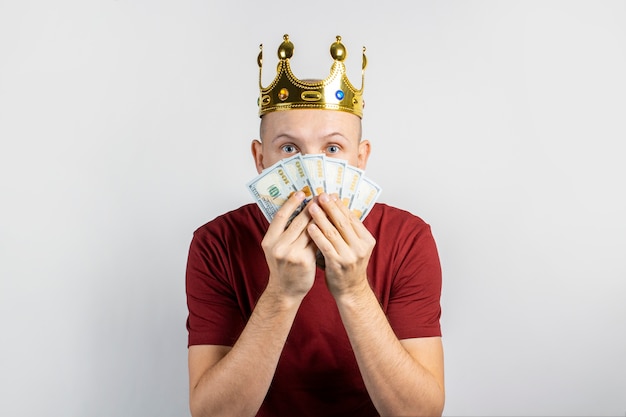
x,y
271,333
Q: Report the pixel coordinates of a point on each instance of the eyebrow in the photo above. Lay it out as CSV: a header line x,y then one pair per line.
x,y
284,135
335,134
291,137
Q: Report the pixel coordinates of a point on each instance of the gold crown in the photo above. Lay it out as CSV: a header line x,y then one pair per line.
x,y
287,92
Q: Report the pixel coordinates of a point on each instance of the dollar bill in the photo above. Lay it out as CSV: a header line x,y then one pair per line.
x,y
351,180
314,166
271,189
296,171
313,174
335,169
365,197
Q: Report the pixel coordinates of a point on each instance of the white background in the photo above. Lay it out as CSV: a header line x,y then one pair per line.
x,y
125,125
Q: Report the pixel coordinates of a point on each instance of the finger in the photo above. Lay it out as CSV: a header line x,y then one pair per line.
x,y
357,225
339,216
296,231
295,234
282,216
300,221
324,232
325,246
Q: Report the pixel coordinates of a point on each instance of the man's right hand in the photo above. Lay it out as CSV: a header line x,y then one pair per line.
x,y
289,251
232,381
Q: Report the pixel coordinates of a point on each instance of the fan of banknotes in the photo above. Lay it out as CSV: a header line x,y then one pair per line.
x,y
313,174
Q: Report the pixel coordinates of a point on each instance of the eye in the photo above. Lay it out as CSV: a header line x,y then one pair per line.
x,y
332,149
289,148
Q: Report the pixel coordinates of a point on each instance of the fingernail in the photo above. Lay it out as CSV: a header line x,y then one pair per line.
x,y
324,198
335,197
314,208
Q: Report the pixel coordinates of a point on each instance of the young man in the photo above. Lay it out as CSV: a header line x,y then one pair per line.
x,y
272,334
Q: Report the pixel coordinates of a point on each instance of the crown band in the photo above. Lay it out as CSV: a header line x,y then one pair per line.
x,y
288,92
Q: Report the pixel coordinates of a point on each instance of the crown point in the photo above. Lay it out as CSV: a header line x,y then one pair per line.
x,y
259,58
364,60
337,50
285,50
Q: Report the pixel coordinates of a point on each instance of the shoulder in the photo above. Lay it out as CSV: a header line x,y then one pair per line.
x,y
386,217
245,217
244,225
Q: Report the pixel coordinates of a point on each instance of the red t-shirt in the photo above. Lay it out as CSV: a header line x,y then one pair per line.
x,y
317,373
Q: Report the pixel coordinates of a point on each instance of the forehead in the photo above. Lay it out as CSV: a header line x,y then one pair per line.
x,y
304,122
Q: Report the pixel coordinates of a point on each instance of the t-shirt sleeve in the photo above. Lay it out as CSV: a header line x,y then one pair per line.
x,y
214,314
414,305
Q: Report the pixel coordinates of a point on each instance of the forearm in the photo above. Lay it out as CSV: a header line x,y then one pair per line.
x,y
238,383
397,383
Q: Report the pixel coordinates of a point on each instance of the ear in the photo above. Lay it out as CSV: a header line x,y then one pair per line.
x,y
364,153
257,154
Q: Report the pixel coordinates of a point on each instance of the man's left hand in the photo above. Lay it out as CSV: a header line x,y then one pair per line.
x,y
344,242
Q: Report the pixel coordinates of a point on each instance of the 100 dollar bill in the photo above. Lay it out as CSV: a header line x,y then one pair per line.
x,y
298,174
271,189
351,180
335,169
316,171
364,198
313,174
